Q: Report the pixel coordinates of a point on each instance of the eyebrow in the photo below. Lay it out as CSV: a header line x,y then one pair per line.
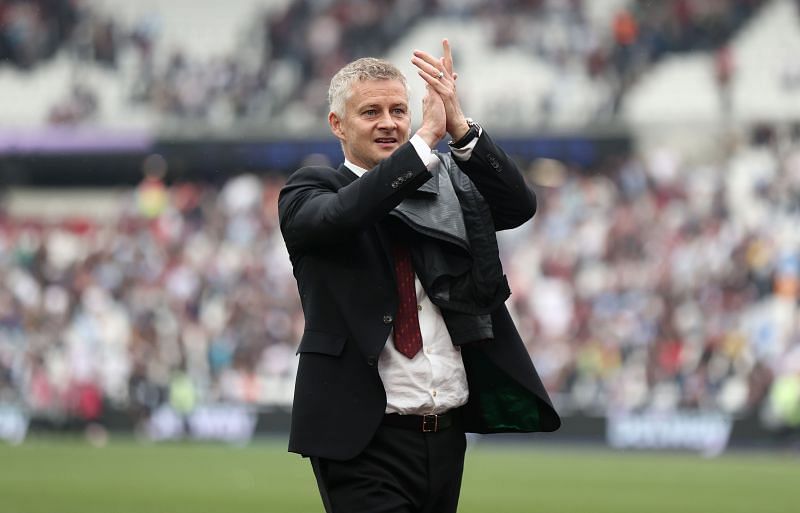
x,y
377,106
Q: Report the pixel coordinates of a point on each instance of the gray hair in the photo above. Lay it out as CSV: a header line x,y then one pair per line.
x,y
367,68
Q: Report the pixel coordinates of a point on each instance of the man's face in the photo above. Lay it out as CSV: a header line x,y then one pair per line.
x,y
375,123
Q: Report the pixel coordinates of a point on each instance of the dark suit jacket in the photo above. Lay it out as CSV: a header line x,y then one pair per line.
x,y
334,228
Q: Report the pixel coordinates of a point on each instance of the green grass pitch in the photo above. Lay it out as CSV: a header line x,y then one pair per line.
x,y
61,476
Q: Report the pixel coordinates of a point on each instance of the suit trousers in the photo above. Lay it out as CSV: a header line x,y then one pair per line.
x,y
400,471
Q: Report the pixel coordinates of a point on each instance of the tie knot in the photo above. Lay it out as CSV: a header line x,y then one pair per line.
x,y
401,251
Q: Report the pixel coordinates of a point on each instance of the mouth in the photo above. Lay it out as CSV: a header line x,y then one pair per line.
x,y
386,142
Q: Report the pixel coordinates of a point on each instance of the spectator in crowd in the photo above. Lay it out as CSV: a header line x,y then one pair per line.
x,y
31,31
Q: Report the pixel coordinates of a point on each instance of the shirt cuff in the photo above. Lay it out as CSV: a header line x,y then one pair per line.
x,y
424,151
466,152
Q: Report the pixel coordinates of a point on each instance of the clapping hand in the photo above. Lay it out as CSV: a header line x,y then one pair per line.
x,y
441,79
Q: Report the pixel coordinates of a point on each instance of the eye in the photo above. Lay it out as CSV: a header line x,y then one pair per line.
x,y
399,111
370,112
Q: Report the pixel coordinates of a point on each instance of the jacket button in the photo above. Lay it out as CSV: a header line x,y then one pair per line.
x,y
493,162
387,319
371,361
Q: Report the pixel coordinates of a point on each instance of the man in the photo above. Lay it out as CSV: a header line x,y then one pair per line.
x,y
407,341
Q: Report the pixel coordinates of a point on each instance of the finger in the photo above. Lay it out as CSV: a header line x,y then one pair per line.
x,y
433,82
425,56
429,80
443,64
448,56
428,68
432,67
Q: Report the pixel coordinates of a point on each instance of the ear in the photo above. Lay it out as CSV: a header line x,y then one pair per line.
x,y
336,125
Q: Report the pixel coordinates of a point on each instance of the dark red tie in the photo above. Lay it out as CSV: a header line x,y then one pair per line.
x,y
407,335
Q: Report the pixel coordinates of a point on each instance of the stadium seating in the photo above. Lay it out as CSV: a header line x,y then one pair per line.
x,y
235,62
662,282
683,89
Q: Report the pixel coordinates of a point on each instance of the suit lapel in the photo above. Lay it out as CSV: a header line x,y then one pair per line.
x,y
381,234
347,174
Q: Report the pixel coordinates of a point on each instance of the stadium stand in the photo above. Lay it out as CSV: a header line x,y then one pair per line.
x,y
687,88
663,286
267,65
659,283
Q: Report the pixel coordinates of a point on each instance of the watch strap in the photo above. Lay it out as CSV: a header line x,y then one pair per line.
x,y
471,134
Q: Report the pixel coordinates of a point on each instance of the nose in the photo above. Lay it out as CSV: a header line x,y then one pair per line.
x,y
386,121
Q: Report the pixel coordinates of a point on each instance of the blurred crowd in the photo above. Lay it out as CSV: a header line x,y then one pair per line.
x,y
34,30
280,71
639,33
185,297
659,285
666,285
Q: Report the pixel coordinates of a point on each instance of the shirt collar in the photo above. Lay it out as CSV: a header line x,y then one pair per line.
x,y
358,170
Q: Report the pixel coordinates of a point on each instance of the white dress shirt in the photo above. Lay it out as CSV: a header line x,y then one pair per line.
x,y
434,380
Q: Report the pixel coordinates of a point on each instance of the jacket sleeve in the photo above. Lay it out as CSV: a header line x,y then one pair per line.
x,y
500,182
314,211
